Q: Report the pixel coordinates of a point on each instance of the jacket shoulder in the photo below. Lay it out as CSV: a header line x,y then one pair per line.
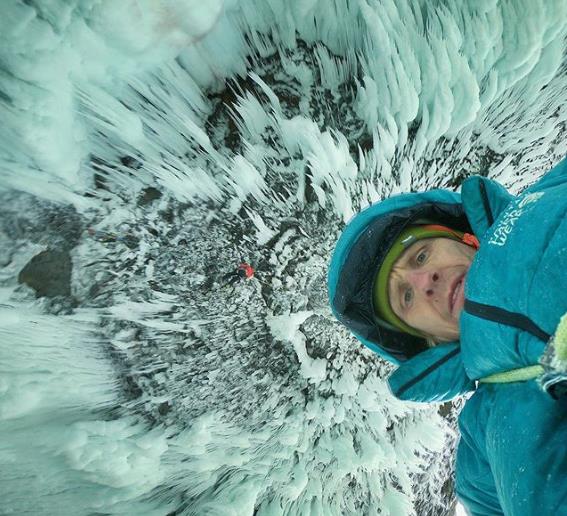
x,y
483,200
513,438
555,177
436,374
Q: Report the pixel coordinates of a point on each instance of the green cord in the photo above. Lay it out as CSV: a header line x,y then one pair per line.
x,y
560,339
514,375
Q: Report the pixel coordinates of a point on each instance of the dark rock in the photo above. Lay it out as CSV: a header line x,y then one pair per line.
x,y
445,409
148,196
167,215
131,162
130,241
24,217
163,408
48,273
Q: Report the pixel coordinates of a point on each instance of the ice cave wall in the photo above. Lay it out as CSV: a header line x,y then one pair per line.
x,y
146,147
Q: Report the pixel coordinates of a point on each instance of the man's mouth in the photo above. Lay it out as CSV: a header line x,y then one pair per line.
x,y
455,292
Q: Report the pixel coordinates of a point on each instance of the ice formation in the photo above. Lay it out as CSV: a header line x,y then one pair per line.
x,y
147,147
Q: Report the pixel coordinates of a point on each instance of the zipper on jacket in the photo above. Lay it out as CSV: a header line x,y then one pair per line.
x,y
499,315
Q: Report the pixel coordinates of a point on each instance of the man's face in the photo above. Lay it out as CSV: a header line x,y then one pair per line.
x,y
426,286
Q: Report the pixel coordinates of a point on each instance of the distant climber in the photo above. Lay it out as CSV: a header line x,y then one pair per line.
x,y
244,271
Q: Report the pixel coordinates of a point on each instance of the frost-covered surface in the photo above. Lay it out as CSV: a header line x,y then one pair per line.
x,y
149,147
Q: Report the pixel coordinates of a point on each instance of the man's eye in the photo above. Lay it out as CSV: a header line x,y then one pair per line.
x,y
421,257
408,294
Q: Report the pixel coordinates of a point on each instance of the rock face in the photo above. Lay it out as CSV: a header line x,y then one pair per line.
x,y
259,368
48,273
27,218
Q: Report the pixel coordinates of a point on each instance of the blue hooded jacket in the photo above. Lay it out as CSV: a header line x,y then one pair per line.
x,y
511,457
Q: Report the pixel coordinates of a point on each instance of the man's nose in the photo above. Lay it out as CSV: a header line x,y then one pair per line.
x,y
424,281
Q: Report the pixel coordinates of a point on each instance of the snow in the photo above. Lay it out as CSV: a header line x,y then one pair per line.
x,y
460,510
286,328
160,143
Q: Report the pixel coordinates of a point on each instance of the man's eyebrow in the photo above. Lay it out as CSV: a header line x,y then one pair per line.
x,y
399,304
411,252
397,285
406,255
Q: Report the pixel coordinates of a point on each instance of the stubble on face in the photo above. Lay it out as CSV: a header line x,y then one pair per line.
x,y
426,286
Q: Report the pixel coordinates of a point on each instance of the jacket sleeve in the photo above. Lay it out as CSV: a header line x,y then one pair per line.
x,y
556,176
474,483
525,446
511,458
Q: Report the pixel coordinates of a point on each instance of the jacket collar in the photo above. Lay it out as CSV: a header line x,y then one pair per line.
x,y
437,374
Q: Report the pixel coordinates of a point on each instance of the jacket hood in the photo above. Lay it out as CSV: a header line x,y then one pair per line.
x,y
425,374
359,253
